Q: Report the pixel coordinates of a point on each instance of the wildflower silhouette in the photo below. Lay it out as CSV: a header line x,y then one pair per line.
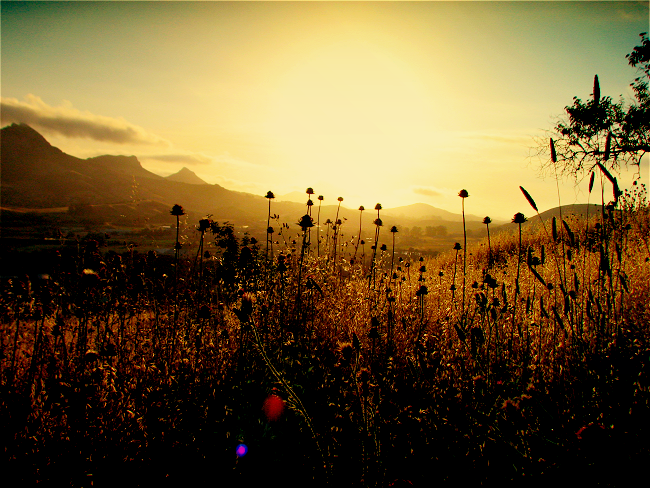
x,y
320,202
356,247
270,196
463,195
518,219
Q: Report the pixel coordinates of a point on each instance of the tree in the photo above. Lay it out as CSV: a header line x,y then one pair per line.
x,y
616,134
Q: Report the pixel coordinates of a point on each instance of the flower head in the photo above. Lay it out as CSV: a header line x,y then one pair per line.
x,y
310,191
204,225
519,218
177,210
378,206
457,246
463,194
269,195
306,222
362,208
487,220
393,229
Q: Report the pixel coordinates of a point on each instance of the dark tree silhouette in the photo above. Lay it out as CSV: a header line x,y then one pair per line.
x,y
616,134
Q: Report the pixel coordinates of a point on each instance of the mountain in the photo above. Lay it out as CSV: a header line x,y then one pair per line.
x,y
40,178
423,211
128,165
186,176
37,175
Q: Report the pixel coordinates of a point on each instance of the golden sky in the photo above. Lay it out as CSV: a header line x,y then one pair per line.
x,y
390,102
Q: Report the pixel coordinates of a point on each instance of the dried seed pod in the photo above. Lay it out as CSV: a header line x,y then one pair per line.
x,y
553,154
529,198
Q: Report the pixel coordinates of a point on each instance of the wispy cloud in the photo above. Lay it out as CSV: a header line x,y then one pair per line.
x,y
68,121
427,192
198,158
185,158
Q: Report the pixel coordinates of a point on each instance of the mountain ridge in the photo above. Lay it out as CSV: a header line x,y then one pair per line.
x,y
36,175
186,175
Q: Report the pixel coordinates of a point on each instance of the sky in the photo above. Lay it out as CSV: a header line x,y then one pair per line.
x,y
376,102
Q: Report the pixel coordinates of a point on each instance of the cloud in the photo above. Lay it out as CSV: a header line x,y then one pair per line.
x,y
197,158
189,158
427,192
71,122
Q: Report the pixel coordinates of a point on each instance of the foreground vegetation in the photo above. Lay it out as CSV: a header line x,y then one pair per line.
x,y
526,358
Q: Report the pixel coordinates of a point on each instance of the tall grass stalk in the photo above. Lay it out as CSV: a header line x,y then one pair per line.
x,y
270,196
463,195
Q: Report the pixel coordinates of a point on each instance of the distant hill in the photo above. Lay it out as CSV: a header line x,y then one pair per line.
x,y
569,213
118,190
37,175
428,212
186,176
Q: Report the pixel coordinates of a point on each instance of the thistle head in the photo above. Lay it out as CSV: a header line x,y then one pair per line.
x,y
463,194
310,203
378,206
457,246
347,350
340,199
321,197
204,224
177,210
378,222
393,229
519,218
487,220
269,195
362,208
306,222
310,191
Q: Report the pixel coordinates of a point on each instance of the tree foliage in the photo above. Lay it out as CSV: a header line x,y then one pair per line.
x,y
582,132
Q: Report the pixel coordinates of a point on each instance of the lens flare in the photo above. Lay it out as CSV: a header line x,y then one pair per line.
x,y
241,450
273,407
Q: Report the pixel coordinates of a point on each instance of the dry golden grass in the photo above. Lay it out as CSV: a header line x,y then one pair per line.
x,y
396,378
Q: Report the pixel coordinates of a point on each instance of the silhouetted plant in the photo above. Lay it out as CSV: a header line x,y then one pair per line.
x,y
356,247
463,195
270,197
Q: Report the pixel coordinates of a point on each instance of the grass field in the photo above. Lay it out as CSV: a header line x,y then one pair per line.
x,y
524,359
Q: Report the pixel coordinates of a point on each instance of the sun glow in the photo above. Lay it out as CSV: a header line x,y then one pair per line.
x,y
351,107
